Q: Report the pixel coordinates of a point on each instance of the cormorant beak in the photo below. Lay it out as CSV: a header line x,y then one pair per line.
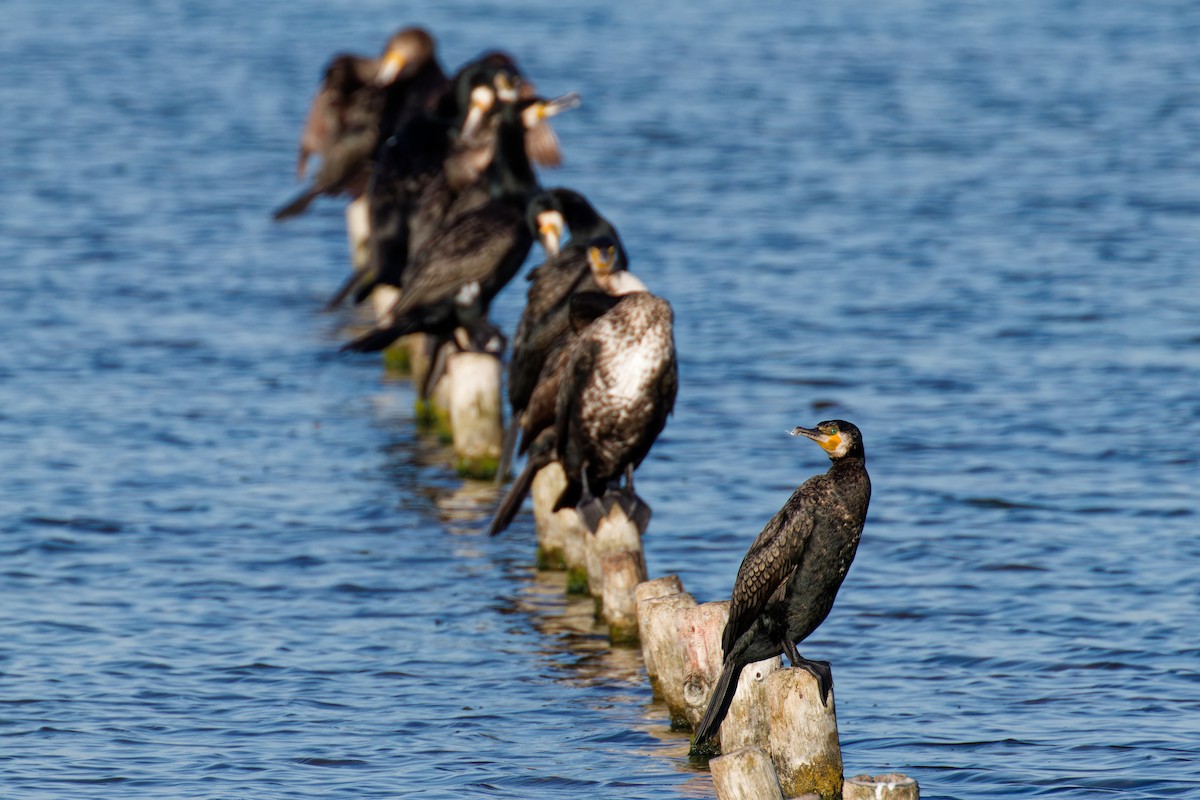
x,y
393,61
545,109
829,443
482,99
550,231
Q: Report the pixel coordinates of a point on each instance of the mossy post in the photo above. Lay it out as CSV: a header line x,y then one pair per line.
x,y
646,591
358,232
803,739
748,721
616,547
551,526
891,786
476,418
659,618
562,537
745,774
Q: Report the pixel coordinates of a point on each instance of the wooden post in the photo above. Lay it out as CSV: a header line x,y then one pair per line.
x,y
659,619
803,738
617,549
383,298
646,591
358,232
892,786
575,553
700,629
748,722
476,419
553,527
745,774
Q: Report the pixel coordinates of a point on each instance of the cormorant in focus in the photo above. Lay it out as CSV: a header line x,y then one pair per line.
x,y
789,578
360,103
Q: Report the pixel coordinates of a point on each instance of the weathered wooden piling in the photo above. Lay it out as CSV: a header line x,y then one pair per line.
x,y
661,647
553,527
646,591
745,774
358,232
615,554
748,721
684,642
562,537
890,786
383,299
803,738
476,417
700,629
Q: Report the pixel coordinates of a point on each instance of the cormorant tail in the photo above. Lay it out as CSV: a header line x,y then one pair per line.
x,y
507,448
297,206
375,340
718,705
516,495
351,284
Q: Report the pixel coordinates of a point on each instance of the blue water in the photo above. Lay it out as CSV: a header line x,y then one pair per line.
x,y
232,569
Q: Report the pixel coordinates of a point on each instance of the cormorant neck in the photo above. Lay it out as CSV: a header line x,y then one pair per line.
x,y
854,453
510,172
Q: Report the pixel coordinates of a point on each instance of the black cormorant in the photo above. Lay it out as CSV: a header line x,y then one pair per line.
x,y
414,158
453,279
360,103
536,421
567,270
618,388
789,578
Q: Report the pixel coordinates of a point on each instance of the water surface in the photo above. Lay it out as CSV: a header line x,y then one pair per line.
x,y
232,568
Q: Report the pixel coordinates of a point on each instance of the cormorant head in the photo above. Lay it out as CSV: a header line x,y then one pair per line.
x,y
546,222
406,52
838,438
480,102
602,257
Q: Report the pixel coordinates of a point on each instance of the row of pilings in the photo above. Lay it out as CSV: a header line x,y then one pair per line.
x,y
779,739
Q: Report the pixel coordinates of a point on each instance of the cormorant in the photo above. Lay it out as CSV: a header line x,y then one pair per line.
x,y
789,578
434,168
411,160
543,327
360,103
452,281
618,388
536,421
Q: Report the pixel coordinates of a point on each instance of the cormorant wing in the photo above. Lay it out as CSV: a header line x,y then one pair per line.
x,y
770,562
587,307
466,251
322,125
540,410
580,364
